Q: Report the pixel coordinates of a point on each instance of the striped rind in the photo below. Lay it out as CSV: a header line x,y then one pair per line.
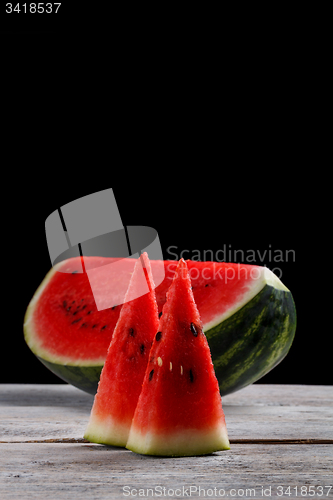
x,y
261,276
85,378
251,342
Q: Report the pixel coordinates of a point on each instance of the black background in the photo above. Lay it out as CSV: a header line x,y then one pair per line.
x,y
211,139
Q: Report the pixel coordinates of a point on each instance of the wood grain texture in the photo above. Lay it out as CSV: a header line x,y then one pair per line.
x,y
257,412
63,471
261,419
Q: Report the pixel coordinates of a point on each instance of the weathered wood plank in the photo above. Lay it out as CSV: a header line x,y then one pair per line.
x,y
258,412
63,471
256,394
84,470
282,395
51,395
243,423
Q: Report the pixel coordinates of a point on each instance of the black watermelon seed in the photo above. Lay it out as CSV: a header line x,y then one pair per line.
x,y
75,313
160,314
83,306
84,324
194,330
158,336
191,376
89,312
103,327
151,375
68,308
207,285
94,326
74,272
76,321
114,307
73,302
142,348
131,332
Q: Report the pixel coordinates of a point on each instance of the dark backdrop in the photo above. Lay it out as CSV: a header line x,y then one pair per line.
x,y
209,147
199,215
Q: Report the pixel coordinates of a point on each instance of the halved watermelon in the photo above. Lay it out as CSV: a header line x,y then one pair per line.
x,y
179,411
122,375
248,316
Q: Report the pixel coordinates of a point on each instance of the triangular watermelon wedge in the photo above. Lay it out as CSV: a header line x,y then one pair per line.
x,y
123,372
179,411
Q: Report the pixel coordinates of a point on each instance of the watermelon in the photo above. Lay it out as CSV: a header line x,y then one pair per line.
x,y
248,316
179,410
122,375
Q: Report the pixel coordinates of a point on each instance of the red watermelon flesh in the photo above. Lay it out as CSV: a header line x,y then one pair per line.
x,y
179,411
63,325
126,361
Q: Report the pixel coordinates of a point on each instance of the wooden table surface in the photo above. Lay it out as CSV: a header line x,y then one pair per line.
x,y
281,440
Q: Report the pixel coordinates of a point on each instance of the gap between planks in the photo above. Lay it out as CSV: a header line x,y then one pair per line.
x,y
232,441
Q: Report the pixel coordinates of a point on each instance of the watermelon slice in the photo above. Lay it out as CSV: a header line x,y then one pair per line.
x,y
126,361
248,316
179,411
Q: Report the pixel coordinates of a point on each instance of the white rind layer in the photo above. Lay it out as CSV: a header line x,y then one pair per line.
x,y
188,442
261,276
34,342
106,431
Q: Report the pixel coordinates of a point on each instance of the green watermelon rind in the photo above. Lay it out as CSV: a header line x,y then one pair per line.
x,y
85,378
251,342
245,346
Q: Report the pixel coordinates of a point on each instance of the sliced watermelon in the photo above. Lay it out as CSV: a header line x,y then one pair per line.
x,y
248,316
122,375
179,411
